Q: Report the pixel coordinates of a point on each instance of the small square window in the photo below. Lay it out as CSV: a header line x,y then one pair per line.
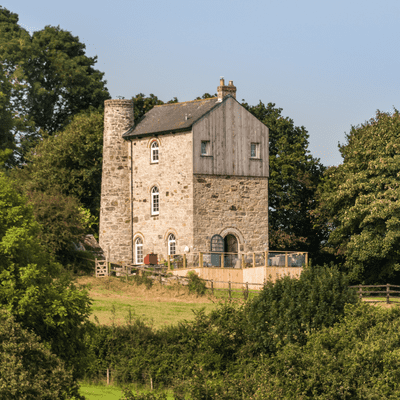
x,y
255,150
205,147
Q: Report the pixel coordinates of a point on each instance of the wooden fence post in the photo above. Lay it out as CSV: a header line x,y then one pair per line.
x,y
286,259
247,291
108,376
360,291
387,293
212,287
230,289
201,260
254,260
184,261
242,261
266,259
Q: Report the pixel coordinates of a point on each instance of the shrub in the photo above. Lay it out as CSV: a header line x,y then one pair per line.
x,y
288,310
358,358
196,284
28,369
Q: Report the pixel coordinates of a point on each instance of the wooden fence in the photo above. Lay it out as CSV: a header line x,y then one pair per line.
x,y
364,291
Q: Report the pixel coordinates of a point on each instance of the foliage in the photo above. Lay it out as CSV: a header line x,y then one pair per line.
x,y
196,285
33,288
28,369
135,352
293,179
63,222
361,200
53,79
70,162
356,359
6,117
129,395
290,309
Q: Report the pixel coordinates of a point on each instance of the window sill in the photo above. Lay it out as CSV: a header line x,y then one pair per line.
x,y
154,162
255,159
206,155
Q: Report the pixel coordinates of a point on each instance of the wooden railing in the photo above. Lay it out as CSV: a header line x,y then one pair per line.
x,y
212,260
383,291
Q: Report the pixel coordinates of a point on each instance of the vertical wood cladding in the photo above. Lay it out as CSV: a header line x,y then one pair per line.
x,y
231,129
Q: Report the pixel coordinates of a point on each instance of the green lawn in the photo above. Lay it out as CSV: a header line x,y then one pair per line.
x,y
110,392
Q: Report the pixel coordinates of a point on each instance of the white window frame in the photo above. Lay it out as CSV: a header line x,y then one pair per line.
x,y
257,150
205,150
139,250
154,152
155,201
171,244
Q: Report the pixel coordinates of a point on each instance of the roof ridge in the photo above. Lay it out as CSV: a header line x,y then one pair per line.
x,y
181,102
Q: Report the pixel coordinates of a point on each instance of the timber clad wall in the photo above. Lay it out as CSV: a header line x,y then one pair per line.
x,y
231,129
231,204
115,215
173,175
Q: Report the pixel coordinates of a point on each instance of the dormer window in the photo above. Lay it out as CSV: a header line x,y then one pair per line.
x,y
154,152
255,150
205,147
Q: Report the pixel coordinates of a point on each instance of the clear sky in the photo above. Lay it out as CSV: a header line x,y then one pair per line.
x,y
329,65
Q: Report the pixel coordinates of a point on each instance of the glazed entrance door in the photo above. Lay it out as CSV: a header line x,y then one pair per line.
x,y
217,245
231,246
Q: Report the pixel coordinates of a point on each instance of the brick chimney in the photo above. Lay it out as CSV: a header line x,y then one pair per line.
x,y
225,90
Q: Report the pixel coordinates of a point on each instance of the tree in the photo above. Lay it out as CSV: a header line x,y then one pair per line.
x,y
33,288
70,162
28,369
294,176
290,309
53,78
361,200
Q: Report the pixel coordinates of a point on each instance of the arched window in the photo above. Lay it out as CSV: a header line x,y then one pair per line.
x,y
139,250
155,201
171,244
154,152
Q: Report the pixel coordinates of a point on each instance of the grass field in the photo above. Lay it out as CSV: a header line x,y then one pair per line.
x,y
160,305
111,392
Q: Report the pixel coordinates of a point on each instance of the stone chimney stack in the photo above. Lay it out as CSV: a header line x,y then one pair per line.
x,y
115,206
225,90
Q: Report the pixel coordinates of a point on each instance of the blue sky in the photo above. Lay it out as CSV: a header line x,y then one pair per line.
x,y
329,65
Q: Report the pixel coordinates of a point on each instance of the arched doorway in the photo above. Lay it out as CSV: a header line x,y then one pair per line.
x,y
231,246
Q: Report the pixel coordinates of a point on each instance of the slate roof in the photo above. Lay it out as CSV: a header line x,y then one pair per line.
x,y
171,117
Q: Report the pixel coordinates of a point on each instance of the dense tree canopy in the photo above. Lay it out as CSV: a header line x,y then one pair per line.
x,y
361,200
70,161
52,78
33,288
293,181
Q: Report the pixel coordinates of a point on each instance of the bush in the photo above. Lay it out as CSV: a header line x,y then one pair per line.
x,y
28,369
290,309
358,358
196,284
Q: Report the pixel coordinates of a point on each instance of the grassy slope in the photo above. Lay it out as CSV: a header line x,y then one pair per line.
x,y
113,298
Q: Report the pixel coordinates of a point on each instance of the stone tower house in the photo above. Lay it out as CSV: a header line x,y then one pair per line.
x,y
185,174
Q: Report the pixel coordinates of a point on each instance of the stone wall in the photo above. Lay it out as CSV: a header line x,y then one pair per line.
x,y
115,212
173,175
231,204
